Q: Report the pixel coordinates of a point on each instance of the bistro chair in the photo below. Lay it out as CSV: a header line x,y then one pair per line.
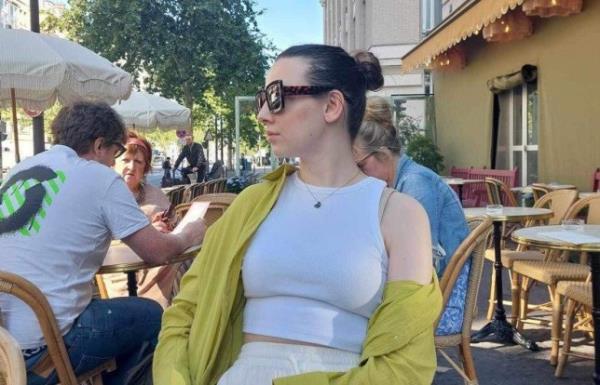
x,y
12,364
499,193
176,195
539,190
196,190
460,285
550,271
218,205
56,357
578,297
559,202
589,208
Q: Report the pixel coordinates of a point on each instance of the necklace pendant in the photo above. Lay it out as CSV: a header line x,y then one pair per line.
x,y
317,205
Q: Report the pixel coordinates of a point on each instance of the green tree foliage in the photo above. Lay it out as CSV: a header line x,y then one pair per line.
x,y
423,151
184,49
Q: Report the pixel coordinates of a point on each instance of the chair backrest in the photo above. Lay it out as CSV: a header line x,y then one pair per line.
x,y
539,190
197,189
591,205
494,192
596,182
506,195
470,250
33,297
176,195
219,203
12,364
559,202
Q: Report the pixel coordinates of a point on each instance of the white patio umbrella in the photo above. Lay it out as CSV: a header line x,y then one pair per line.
x,y
148,111
37,69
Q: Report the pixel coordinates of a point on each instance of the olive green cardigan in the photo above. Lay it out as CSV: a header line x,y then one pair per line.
x,y
201,333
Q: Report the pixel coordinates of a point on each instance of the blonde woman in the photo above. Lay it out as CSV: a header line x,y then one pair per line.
x,y
378,154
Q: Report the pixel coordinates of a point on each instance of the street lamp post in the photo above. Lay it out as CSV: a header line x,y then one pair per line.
x,y
238,99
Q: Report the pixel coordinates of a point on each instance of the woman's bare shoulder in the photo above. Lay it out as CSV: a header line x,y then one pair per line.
x,y
405,228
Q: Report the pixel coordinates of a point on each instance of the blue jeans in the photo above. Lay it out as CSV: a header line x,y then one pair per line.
x,y
122,328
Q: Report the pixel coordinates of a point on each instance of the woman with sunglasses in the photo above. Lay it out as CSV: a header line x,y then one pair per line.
x,y
378,154
319,274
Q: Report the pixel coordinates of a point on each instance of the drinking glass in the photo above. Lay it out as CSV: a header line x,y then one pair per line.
x,y
572,224
493,209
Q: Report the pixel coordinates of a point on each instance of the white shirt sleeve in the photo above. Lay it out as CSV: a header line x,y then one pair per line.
x,y
121,213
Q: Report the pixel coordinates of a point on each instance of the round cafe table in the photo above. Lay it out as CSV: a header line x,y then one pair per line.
x,y
121,259
534,236
499,327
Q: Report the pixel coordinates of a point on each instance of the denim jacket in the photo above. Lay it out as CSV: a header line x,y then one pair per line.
x,y
446,218
448,229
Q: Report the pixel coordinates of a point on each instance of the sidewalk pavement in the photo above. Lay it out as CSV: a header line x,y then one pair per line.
x,y
498,364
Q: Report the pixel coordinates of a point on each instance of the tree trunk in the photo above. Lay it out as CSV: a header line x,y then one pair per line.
x,y
216,139
222,141
188,100
229,146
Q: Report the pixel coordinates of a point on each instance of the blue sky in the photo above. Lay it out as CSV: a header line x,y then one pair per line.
x,y
289,22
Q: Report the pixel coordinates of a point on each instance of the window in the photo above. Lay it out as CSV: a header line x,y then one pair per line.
x,y
518,131
431,15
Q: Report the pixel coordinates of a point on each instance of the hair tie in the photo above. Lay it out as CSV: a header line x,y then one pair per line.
x,y
143,145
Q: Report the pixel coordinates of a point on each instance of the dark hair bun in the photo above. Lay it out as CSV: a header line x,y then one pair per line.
x,y
369,66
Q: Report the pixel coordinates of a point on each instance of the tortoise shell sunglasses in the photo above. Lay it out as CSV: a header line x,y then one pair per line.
x,y
274,94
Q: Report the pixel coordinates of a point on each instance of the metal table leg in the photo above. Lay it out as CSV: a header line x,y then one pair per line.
x,y
132,284
499,327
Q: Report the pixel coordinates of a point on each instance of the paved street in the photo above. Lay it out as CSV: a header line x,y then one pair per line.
x,y
503,365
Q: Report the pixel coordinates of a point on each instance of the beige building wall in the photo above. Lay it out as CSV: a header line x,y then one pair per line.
x,y
565,50
388,28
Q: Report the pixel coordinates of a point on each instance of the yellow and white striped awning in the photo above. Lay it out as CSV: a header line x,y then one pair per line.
x,y
465,22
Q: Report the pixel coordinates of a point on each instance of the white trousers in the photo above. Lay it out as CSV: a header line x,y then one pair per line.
x,y
261,362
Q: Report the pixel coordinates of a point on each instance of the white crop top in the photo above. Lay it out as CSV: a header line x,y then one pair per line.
x,y
317,275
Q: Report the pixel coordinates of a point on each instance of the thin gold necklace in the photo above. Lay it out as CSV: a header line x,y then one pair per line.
x,y
319,202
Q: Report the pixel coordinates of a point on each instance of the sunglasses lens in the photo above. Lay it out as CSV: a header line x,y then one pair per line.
x,y
259,100
274,97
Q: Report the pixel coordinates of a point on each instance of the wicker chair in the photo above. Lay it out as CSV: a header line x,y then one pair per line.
x,y
197,189
218,205
470,250
497,190
176,195
550,272
12,365
591,207
539,190
579,297
57,352
559,202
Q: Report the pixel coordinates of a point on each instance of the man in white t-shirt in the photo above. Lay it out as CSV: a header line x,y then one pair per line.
x,y
59,211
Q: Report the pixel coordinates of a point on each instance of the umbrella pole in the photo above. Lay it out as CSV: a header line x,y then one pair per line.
x,y
15,129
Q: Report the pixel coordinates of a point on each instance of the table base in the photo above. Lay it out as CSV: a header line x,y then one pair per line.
x,y
131,284
505,333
